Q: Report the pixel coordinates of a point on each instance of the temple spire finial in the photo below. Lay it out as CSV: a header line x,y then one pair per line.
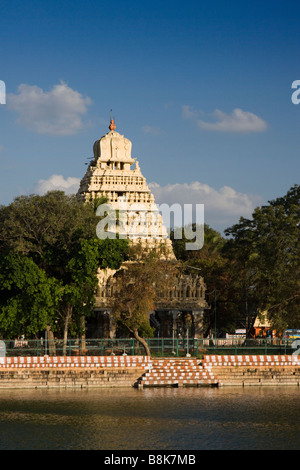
x,y
112,125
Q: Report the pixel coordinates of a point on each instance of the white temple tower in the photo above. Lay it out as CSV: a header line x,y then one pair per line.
x,y
115,175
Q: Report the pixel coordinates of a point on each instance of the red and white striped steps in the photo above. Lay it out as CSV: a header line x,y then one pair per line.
x,y
246,370
177,372
251,360
54,362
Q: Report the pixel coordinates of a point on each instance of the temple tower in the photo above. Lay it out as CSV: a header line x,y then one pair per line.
x,y
115,175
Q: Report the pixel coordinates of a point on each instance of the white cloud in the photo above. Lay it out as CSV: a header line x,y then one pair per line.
x,y
151,130
222,207
69,185
238,121
189,113
56,112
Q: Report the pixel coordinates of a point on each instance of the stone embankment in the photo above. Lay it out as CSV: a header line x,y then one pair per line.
x,y
72,372
254,370
178,373
143,371
223,370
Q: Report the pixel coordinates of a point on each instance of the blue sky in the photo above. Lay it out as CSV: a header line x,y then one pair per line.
x,y
202,90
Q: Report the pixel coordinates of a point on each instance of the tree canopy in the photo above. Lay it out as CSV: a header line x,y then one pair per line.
x,y
28,296
139,283
53,237
267,249
216,269
255,268
49,256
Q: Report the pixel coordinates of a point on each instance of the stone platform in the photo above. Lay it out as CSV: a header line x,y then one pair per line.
x,y
143,371
72,372
178,373
258,370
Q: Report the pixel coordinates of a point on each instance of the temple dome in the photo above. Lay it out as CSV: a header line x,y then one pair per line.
x,y
113,147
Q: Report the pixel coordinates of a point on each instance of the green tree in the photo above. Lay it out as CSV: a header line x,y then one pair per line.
x,y
47,228
213,265
59,235
267,250
112,252
140,283
79,288
29,298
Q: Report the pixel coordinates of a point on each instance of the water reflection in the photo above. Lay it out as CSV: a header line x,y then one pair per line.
x,y
150,419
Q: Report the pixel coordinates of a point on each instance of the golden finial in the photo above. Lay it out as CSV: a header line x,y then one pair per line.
x,y
112,125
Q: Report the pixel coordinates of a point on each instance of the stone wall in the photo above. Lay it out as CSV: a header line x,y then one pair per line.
x,y
262,370
72,372
74,378
130,371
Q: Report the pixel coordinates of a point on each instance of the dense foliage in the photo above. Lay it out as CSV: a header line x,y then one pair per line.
x,y
254,269
266,249
49,256
140,282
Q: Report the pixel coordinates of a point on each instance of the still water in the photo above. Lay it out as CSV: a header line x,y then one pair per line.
x,y
151,419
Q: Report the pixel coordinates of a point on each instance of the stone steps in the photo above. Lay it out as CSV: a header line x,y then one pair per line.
x,y
251,360
64,372
177,372
255,370
39,362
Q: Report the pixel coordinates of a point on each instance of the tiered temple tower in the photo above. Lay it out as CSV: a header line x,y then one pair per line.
x,y
116,176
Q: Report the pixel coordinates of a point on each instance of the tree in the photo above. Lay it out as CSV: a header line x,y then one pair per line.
x,y
112,252
50,230
213,265
58,234
79,288
29,298
267,247
140,282
47,228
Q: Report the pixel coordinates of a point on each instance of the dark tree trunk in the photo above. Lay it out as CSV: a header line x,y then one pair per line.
x,y
142,341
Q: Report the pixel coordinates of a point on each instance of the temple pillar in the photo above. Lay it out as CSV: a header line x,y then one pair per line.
x,y
165,324
51,342
198,322
112,326
174,316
